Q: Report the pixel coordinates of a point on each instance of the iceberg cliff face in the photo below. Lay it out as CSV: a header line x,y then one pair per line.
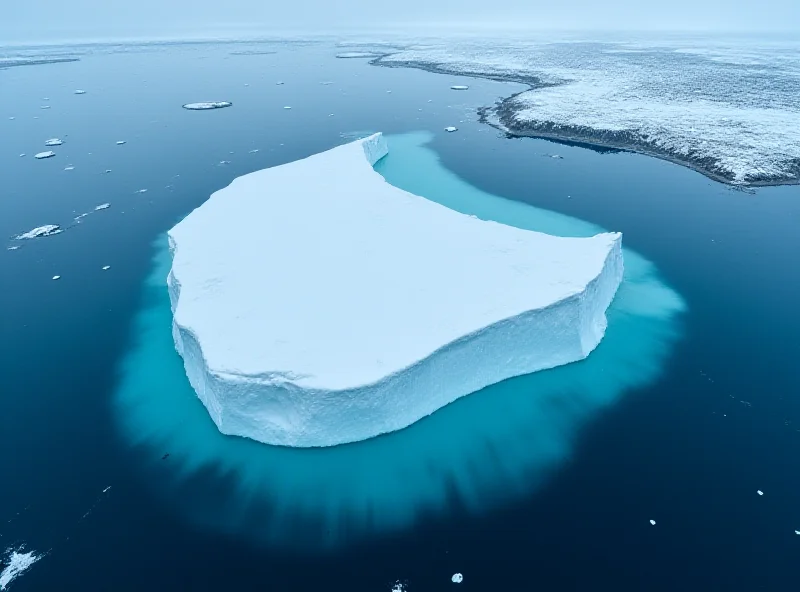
x,y
314,304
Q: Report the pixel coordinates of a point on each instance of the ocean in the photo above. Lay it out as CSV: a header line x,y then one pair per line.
x,y
115,479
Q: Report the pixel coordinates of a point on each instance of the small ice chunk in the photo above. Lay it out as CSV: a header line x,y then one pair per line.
x,y
69,167
556,156
459,87
108,171
797,531
14,248
21,155
457,578
224,162
253,151
279,82
106,268
653,522
41,155
55,277
80,92
121,142
287,107
45,107
54,142
206,106
388,91
102,206
12,118
39,231
450,129
109,487
759,492
142,191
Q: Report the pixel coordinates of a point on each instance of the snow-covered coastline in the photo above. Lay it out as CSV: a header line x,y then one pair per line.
x,y
727,111
314,304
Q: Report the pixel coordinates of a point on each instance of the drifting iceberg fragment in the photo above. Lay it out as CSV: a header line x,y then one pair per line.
x,y
39,231
47,154
54,142
459,87
207,106
15,565
406,326
451,129
457,578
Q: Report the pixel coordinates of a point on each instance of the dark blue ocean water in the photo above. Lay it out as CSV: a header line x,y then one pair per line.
x,y
690,449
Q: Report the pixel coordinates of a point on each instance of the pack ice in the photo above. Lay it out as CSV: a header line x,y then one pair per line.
x,y
315,304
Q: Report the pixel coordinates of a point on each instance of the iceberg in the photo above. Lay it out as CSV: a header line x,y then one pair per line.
x,y
315,304
41,155
39,231
17,563
54,142
206,106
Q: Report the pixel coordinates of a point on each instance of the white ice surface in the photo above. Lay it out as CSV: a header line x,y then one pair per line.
x,y
15,564
41,155
54,142
733,104
39,231
316,304
207,105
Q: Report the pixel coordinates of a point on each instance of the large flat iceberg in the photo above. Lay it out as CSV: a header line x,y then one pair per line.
x,y
315,304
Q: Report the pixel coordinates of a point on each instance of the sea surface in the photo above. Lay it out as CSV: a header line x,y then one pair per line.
x,y
112,476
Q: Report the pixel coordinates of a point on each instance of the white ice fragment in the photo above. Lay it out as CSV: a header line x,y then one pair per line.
x,y
457,578
39,231
55,277
54,142
459,87
279,83
80,92
106,268
527,301
224,162
206,106
12,118
253,151
21,155
142,191
450,129
759,492
357,54
653,522
287,107
69,167
45,107
41,155
102,206
121,142
15,565
108,171
797,531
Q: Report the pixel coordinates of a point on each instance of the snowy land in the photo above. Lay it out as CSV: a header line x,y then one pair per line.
x,y
315,304
730,110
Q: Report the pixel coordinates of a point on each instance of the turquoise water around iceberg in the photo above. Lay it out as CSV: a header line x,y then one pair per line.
x,y
483,450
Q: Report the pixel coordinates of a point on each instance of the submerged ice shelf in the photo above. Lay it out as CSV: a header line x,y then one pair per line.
x,y
315,304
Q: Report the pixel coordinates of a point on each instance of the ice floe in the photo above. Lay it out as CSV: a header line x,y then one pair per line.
x,y
54,142
47,154
451,129
40,231
207,106
459,87
16,562
80,92
653,522
121,142
457,578
56,277
736,123
105,268
102,206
